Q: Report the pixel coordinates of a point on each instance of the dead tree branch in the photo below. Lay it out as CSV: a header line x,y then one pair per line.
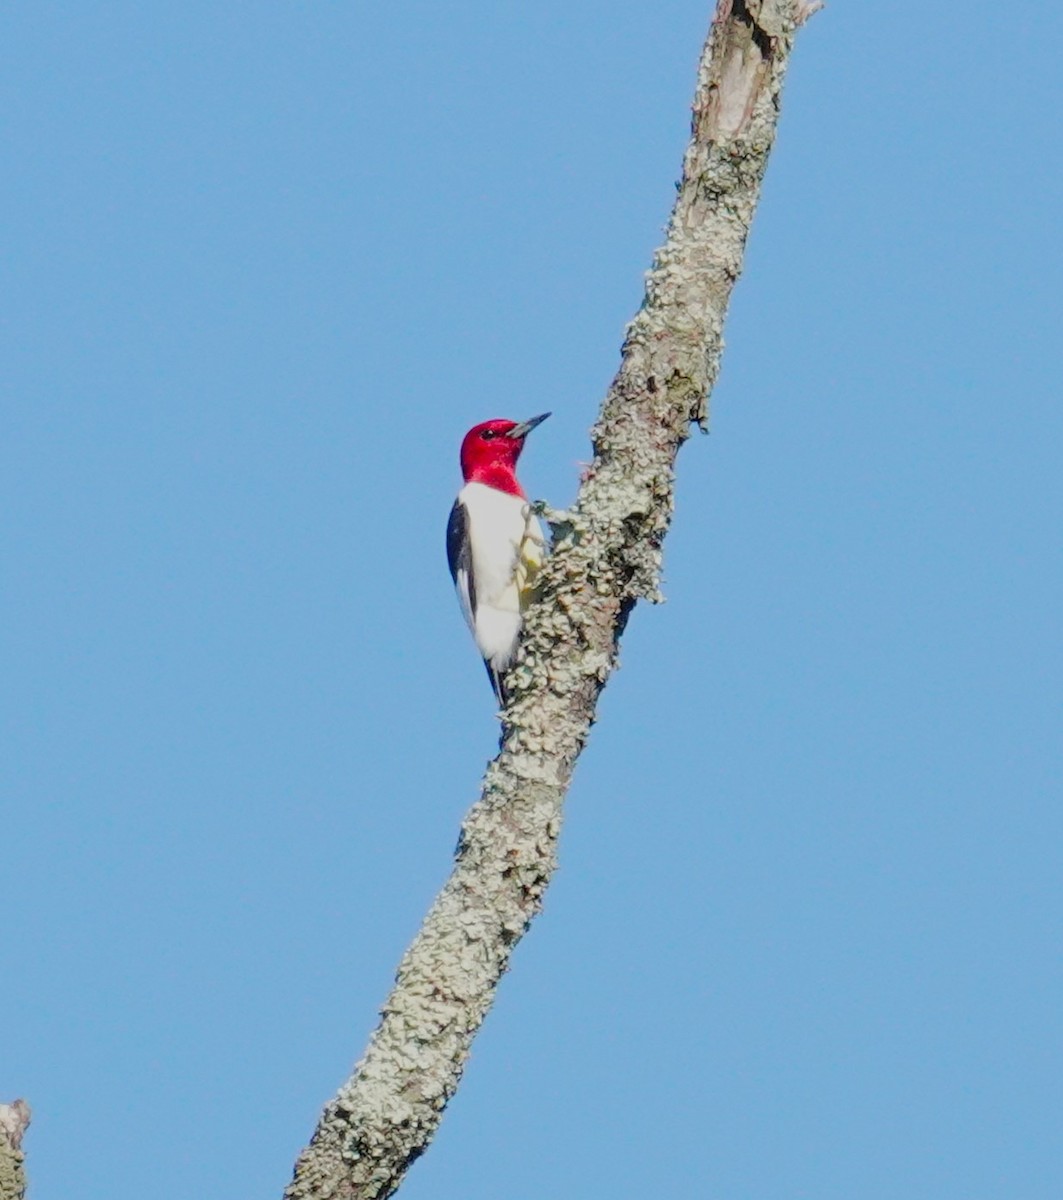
x,y
607,555
14,1121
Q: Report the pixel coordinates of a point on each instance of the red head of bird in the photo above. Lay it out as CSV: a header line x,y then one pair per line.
x,y
489,452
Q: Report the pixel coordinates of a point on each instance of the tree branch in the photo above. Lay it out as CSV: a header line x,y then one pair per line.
x,y
607,555
14,1120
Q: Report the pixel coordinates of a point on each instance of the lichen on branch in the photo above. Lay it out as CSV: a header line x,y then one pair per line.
x,y
14,1121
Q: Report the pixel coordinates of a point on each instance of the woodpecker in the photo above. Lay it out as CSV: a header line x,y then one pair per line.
x,y
495,544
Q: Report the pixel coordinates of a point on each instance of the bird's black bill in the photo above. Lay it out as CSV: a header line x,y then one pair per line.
x,y
525,427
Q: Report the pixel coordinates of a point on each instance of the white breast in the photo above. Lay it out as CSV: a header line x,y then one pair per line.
x,y
499,525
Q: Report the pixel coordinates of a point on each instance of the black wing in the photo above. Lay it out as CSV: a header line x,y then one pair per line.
x,y
459,559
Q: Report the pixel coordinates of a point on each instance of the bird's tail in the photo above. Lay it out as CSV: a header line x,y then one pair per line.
x,y
495,677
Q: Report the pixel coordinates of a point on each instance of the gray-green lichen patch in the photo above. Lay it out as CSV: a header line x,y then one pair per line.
x,y
14,1121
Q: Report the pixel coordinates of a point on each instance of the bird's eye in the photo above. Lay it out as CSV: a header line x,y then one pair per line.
x,y
488,434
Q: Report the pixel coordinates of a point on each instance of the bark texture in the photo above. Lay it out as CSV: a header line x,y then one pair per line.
x,y
607,555
14,1120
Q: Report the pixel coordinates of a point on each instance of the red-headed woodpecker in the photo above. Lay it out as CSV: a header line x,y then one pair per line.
x,y
494,542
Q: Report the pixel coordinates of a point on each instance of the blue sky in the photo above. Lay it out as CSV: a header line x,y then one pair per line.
x,y
264,264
